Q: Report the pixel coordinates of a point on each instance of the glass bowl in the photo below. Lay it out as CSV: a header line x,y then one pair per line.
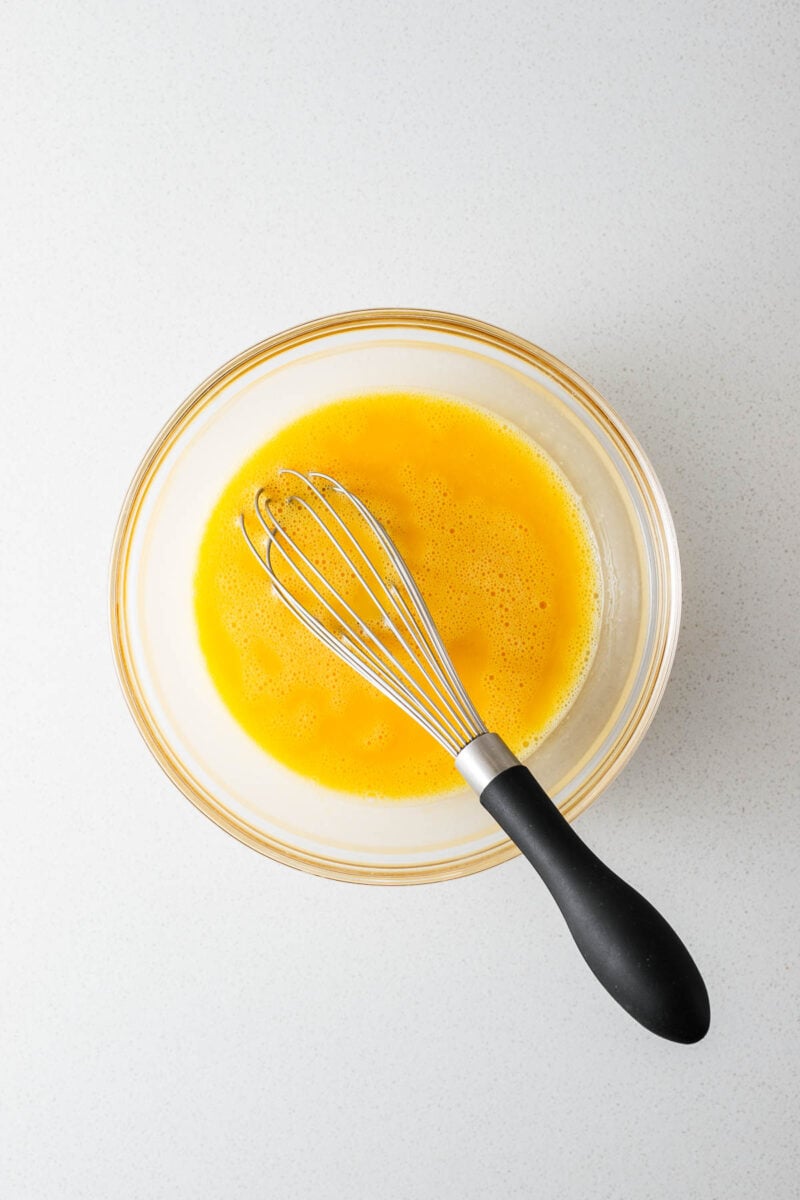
x,y
161,669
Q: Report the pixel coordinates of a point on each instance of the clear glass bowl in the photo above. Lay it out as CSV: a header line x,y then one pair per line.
x,y
160,666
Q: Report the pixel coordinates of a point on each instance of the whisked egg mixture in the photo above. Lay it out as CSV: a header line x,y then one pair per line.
x,y
501,551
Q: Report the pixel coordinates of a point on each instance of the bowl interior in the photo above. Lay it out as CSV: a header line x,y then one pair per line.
x,y
162,670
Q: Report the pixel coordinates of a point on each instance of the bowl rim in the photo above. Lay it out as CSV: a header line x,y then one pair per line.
x,y
660,524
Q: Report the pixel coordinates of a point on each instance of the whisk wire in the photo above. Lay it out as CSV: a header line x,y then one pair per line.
x,y
463,728
413,693
417,600
430,691
421,696
358,660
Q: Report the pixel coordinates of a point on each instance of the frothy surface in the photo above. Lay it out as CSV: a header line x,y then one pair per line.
x,y
499,547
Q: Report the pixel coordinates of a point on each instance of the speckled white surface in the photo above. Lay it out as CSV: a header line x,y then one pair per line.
x,y
182,1018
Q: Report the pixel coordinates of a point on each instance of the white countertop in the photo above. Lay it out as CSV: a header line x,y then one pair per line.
x,y
180,1017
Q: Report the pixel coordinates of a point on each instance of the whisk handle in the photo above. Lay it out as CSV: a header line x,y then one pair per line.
x,y
632,950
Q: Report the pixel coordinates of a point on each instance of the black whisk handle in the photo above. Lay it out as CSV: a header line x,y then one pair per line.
x,y
632,950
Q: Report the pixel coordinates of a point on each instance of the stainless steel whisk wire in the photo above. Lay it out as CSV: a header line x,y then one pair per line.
x,y
442,706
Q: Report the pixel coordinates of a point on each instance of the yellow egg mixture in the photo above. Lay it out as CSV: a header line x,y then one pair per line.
x,y
498,545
